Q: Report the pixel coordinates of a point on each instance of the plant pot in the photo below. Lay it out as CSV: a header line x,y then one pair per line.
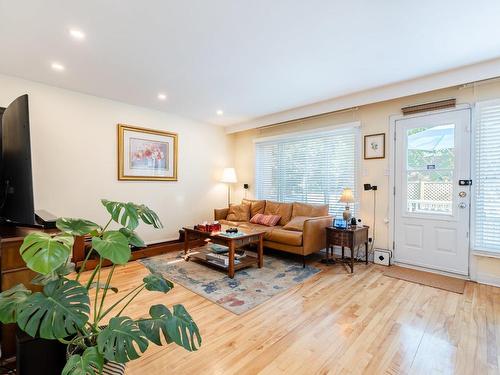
x,y
109,368
113,368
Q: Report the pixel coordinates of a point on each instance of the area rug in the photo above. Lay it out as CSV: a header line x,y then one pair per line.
x,y
448,283
250,287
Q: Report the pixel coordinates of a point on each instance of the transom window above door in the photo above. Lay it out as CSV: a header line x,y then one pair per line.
x,y
309,167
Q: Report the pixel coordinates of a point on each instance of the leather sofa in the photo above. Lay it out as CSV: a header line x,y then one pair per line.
x,y
301,240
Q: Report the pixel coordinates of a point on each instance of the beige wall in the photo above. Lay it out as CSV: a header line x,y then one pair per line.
x,y
374,118
74,154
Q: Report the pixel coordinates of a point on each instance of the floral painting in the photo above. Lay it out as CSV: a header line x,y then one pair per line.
x,y
375,146
146,154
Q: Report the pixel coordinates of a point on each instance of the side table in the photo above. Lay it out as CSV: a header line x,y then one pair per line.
x,y
352,237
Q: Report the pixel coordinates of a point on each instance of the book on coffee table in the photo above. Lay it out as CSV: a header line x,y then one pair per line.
x,y
218,249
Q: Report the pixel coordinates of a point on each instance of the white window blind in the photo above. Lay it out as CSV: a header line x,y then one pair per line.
x,y
486,205
310,168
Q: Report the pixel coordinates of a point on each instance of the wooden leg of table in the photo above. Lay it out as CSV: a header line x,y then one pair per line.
x,y
260,252
342,252
366,252
352,259
231,259
186,241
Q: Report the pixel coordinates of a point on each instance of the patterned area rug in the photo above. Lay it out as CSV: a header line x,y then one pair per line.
x,y
249,288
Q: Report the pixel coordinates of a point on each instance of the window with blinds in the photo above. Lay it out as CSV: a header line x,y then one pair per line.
x,y
486,205
310,168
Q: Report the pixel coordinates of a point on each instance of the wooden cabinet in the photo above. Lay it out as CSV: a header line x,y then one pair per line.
x,y
13,271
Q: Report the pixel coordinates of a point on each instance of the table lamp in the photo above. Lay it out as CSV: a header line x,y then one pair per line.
x,y
346,198
229,177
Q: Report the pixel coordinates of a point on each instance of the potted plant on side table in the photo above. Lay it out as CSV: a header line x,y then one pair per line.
x,y
62,310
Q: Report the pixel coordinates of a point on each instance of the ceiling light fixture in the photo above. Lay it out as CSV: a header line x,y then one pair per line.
x,y
77,34
162,96
220,112
57,67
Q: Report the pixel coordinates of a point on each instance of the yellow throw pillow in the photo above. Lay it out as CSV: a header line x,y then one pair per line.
x,y
297,223
238,212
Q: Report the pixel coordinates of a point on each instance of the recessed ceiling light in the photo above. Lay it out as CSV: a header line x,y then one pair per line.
x,y
220,112
58,67
77,34
162,96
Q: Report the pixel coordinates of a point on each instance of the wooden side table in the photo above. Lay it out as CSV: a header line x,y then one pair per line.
x,y
352,237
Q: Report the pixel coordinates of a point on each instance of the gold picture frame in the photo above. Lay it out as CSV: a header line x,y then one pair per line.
x,y
146,154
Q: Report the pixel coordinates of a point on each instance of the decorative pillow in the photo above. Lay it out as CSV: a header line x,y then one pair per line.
x,y
238,212
297,223
268,220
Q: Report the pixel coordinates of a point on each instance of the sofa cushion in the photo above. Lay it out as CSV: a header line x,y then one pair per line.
x,y
287,237
268,220
256,206
297,223
231,223
258,227
238,212
281,209
311,210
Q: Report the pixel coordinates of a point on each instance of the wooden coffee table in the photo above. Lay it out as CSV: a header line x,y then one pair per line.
x,y
233,243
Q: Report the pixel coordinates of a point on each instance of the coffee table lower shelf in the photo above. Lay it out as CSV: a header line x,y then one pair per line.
x,y
200,254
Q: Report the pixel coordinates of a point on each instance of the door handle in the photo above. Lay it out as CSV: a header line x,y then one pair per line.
x,y
462,205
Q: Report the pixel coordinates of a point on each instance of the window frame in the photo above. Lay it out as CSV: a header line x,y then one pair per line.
x,y
479,251
355,126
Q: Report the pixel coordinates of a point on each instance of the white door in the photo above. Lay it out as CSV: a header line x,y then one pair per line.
x,y
431,192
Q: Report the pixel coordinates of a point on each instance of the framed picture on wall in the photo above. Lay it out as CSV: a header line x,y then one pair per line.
x,y
146,154
374,146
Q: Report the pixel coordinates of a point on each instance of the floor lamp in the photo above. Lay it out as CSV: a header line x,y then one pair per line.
x,y
373,188
229,177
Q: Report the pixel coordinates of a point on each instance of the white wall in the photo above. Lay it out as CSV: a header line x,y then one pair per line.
x,y
74,154
374,118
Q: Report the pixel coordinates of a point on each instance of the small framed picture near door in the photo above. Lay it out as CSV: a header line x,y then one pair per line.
x,y
146,154
375,146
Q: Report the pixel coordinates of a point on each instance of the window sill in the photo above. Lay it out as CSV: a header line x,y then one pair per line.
x,y
486,253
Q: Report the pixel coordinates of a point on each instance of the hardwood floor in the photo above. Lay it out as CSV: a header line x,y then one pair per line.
x,y
335,323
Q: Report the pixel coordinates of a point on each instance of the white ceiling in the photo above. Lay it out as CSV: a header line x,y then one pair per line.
x,y
249,58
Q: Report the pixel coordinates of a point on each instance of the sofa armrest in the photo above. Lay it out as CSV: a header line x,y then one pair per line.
x,y
220,213
314,237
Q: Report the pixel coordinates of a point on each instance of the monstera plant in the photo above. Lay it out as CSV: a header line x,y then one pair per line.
x,y
62,310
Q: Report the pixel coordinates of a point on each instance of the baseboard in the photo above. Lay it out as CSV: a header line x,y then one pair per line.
x,y
488,279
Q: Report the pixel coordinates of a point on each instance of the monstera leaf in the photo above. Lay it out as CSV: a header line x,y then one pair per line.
x,y
44,253
123,213
132,237
60,272
9,300
57,313
157,283
147,215
113,246
128,214
89,363
120,339
76,227
178,327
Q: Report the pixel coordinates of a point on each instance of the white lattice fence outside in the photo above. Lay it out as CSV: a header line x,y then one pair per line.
x,y
427,196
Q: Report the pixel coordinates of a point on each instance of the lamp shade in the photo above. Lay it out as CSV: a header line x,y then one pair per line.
x,y
229,176
346,196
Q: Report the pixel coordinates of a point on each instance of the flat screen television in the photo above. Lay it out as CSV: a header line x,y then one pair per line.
x,y
16,180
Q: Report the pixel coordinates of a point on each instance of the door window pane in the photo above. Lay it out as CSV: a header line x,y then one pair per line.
x,y
429,169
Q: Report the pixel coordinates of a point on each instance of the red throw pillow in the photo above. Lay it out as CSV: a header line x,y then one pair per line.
x,y
268,220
